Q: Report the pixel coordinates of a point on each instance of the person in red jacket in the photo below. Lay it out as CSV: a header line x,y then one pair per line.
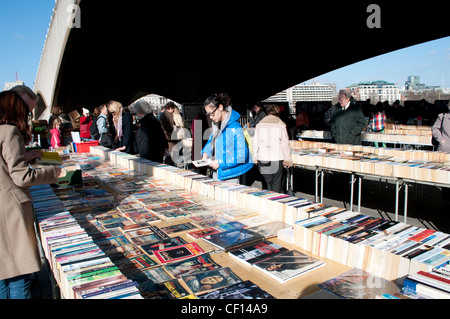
x,y
57,138
85,124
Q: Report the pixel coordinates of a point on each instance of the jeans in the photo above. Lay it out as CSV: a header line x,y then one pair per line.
x,y
16,288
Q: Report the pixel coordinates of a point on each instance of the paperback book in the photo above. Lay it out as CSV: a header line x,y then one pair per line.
x,y
210,280
242,290
251,254
178,252
288,265
234,239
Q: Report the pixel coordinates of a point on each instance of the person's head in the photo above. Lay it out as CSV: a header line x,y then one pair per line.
x,y
379,107
57,110
27,95
216,106
57,123
14,111
170,107
103,109
274,110
114,107
257,107
344,97
142,108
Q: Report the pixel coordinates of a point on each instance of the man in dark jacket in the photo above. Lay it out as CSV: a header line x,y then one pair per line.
x,y
150,138
347,121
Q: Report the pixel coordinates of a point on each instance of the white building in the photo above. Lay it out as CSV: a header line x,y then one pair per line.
x,y
157,101
10,85
376,91
304,93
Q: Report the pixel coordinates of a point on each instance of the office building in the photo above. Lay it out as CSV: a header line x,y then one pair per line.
x,y
376,91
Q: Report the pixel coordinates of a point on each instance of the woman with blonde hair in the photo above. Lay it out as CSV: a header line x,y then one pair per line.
x,y
123,123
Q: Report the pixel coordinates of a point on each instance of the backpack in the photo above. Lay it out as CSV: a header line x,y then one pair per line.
x,y
94,131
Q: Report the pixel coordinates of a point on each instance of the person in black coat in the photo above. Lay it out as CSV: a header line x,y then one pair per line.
x,y
347,121
150,139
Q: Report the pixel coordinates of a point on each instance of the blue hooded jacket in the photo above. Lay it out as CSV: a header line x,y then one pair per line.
x,y
231,149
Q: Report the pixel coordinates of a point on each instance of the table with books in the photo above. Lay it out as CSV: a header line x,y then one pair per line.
x,y
138,229
403,167
395,134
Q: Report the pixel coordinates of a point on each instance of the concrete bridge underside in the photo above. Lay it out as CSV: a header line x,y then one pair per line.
x,y
187,51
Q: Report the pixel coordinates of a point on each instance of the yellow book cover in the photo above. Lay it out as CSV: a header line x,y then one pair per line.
x,y
49,158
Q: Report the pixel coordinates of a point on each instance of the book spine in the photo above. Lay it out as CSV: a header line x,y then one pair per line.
x,y
423,289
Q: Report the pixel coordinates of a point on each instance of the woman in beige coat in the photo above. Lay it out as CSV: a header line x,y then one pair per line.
x,y
19,254
271,150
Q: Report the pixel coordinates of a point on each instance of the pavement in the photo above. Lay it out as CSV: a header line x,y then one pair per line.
x,y
425,208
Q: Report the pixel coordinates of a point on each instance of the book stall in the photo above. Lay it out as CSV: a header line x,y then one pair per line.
x,y
395,134
403,166
135,229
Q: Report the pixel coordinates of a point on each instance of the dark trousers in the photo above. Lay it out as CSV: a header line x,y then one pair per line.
x,y
272,173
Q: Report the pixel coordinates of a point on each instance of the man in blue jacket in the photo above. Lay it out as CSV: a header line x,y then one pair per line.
x,y
226,146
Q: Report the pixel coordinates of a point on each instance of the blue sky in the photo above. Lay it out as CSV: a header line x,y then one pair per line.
x,y
430,61
24,23
23,27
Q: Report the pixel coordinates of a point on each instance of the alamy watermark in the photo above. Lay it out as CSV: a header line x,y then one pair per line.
x,y
374,19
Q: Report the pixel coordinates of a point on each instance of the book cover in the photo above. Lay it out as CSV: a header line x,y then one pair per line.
x,y
359,284
233,239
202,232
210,280
288,265
242,290
174,289
251,254
178,252
166,243
191,266
178,228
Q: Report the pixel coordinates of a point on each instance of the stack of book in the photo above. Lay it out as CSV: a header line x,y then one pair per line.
x,y
400,135
80,267
416,165
433,284
140,231
382,247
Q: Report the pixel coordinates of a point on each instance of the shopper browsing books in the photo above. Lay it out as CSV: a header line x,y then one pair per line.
x,y
271,149
123,124
226,146
150,139
19,253
104,129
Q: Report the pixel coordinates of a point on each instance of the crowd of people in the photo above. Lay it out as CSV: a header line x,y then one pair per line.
x,y
217,136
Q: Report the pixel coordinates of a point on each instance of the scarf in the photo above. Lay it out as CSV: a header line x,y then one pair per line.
x,y
218,129
118,125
